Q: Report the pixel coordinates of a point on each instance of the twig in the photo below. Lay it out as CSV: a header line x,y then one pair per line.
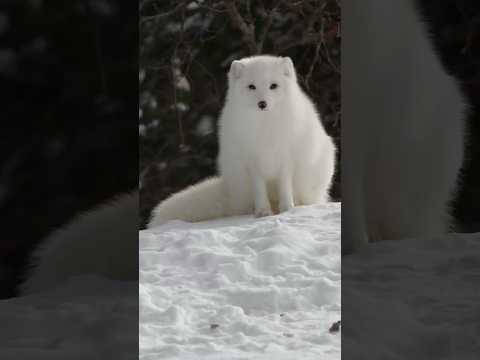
x,y
248,31
312,65
211,76
174,81
316,15
268,23
161,16
327,52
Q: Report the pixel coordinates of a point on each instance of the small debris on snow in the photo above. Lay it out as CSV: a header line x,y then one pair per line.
x,y
335,327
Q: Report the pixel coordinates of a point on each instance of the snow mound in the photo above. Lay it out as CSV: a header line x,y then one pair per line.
x,y
242,288
413,299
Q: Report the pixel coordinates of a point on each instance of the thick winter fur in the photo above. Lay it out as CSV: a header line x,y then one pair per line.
x,y
403,127
274,152
102,242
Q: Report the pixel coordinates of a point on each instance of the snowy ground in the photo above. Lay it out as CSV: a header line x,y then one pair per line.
x,y
242,288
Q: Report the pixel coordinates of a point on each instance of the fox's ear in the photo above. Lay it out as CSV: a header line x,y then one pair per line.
x,y
288,68
236,69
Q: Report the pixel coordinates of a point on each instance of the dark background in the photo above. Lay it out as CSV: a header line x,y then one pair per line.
x,y
68,133
455,29
186,48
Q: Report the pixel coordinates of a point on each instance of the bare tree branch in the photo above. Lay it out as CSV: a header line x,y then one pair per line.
x,y
157,17
264,34
174,80
248,31
327,51
312,65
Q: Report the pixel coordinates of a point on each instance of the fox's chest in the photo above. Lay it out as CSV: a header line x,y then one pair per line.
x,y
268,158
267,145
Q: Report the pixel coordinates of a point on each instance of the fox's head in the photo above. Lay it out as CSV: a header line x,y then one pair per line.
x,y
261,81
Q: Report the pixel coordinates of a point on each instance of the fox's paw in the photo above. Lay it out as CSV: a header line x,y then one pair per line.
x,y
263,212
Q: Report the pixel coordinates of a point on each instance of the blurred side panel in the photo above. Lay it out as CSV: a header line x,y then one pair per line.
x,y
68,151
410,140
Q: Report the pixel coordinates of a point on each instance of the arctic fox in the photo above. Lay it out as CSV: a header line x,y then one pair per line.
x,y
274,152
403,126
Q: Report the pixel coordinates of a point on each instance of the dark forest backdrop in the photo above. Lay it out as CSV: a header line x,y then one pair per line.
x,y
186,48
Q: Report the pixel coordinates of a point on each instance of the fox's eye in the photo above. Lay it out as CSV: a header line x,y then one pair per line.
x,y
273,86
251,87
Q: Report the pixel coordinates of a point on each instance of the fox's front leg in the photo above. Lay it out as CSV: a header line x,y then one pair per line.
x,y
261,201
285,190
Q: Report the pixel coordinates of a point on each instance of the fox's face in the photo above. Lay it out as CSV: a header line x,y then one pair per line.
x,y
262,82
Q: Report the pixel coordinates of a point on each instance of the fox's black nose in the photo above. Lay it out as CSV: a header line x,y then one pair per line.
x,y
262,104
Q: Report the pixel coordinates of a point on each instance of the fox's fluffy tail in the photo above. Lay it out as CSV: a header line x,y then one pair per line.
x,y
203,201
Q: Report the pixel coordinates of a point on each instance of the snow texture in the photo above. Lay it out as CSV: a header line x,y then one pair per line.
x,y
242,288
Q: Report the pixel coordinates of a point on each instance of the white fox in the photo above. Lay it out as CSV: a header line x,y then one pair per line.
x,y
403,127
274,152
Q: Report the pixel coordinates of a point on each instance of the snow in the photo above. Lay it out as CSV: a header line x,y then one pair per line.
x,y
413,299
242,288
205,126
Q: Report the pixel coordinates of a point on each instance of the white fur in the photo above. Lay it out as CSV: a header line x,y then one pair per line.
x,y
102,242
270,160
403,122
198,202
